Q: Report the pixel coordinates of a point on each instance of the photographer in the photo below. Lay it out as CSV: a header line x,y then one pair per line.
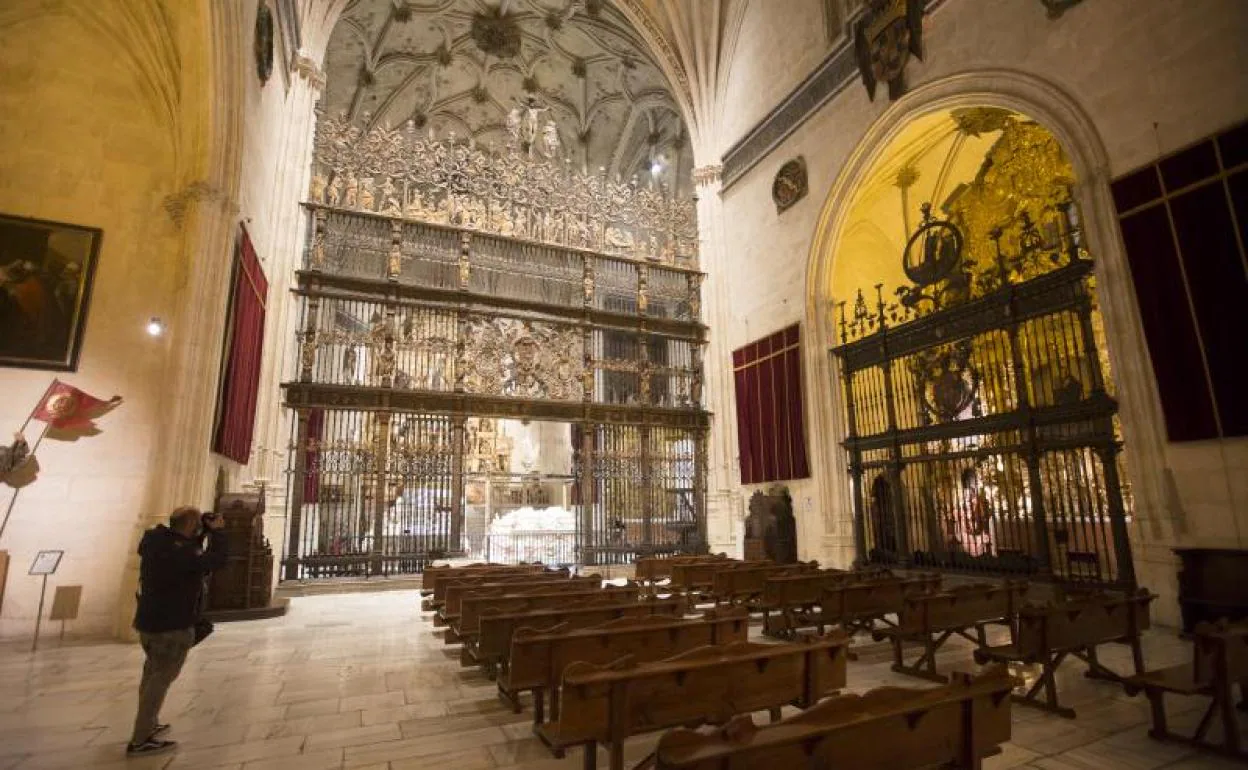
x,y
174,563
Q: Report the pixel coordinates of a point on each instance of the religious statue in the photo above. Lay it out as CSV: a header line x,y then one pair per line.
x,y
618,240
513,126
12,458
316,191
350,198
350,360
366,193
550,139
529,130
390,203
335,191
415,206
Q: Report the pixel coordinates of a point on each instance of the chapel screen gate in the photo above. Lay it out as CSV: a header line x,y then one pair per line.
x,y
444,283
981,434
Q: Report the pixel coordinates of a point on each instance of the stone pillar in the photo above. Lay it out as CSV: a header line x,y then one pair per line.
x,y
285,228
725,511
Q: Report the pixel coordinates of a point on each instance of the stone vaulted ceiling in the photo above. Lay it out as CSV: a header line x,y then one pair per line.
x,y
462,66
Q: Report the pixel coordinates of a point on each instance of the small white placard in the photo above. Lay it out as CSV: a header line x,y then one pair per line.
x,y
46,563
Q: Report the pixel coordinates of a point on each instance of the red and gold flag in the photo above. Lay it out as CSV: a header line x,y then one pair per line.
x,y
70,411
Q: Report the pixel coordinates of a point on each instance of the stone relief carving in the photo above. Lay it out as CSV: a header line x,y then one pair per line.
x,y
522,359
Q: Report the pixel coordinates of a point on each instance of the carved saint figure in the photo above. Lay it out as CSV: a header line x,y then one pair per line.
x,y
550,139
366,193
618,240
335,191
415,205
513,125
390,203
350,360
351,197
316,191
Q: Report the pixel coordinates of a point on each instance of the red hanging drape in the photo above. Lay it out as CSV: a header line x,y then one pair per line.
x,y
245,335
771,436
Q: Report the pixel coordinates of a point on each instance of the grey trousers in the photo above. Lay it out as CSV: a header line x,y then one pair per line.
x,y
166,652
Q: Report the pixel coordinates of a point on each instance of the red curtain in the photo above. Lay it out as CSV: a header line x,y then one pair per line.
x,y
245,335
771,434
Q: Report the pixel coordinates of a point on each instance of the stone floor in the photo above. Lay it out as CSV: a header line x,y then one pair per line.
x,y
362,681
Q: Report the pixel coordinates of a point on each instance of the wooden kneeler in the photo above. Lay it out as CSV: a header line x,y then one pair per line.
x,y
1219,660
1046,635
933,619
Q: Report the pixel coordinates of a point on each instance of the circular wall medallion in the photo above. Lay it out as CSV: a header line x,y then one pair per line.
x,y
790,184
264,42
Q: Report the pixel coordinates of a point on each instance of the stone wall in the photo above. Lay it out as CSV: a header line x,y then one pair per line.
x,y
1150,76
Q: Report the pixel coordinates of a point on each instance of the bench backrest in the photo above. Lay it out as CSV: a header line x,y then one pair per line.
x,y
538,599
540,656
727,584
960,607
889,728
654,568
702,574
710,684
1082,622
874,598
806,588
442,581
1220,652
456,590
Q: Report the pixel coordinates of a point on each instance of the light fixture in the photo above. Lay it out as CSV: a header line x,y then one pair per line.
x,y
656,167
155,327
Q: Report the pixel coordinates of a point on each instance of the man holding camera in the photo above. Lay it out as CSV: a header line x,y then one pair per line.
x,y
173,565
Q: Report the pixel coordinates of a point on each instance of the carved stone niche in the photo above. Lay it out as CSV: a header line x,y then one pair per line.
x,y
770,529
243,588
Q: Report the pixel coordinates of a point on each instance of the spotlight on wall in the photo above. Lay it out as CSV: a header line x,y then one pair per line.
x,y
155,327
656,168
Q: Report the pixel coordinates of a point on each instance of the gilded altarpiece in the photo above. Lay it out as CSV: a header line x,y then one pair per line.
x,y
982,426
444,284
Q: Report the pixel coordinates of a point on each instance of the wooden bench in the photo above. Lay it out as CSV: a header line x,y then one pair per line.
x,y
745,586
467,625
932,619
698,578
793,602
863,605
609,703
492,644
650,570
889,728
456,590
1219,660
1045,635
441,581
539,656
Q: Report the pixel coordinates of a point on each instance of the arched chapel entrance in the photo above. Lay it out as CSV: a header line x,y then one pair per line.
x,y
955,283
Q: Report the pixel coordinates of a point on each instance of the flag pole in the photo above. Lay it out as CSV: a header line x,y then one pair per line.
x,y
31,416
13,500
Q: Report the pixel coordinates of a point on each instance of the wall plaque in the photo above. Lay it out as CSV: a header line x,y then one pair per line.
x,y
790,185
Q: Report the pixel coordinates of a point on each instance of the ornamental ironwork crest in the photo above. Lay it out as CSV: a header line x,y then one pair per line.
x,y
889,32
790,185
522,359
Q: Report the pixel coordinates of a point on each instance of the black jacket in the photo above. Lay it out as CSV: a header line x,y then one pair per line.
x,y
171,578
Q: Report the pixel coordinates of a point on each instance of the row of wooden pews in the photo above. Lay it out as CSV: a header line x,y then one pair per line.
x,y
605,663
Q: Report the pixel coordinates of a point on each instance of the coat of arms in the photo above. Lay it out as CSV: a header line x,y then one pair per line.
x,y
884,38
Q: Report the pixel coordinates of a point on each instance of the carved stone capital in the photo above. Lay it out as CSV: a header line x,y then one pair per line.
x,y
306,67
708,175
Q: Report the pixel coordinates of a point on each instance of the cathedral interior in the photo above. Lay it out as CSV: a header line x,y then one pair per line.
x,y
655,383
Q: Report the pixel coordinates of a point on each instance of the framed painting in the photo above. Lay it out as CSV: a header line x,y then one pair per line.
x,y
46,273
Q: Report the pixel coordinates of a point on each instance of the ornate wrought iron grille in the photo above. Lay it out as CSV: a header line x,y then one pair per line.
x,y
409,328
981,432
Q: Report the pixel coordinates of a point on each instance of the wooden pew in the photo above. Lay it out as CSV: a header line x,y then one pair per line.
x,y
698,578
609,703
792,602
931,619
889,728
467,626
745,586
439,581
457,589
650,570
540,655
862,605
1219,660
490,647
1045,635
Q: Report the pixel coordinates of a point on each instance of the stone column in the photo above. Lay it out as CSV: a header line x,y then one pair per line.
x,y
285,228
725,511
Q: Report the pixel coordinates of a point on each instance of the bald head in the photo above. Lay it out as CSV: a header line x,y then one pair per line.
x,y
185,520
